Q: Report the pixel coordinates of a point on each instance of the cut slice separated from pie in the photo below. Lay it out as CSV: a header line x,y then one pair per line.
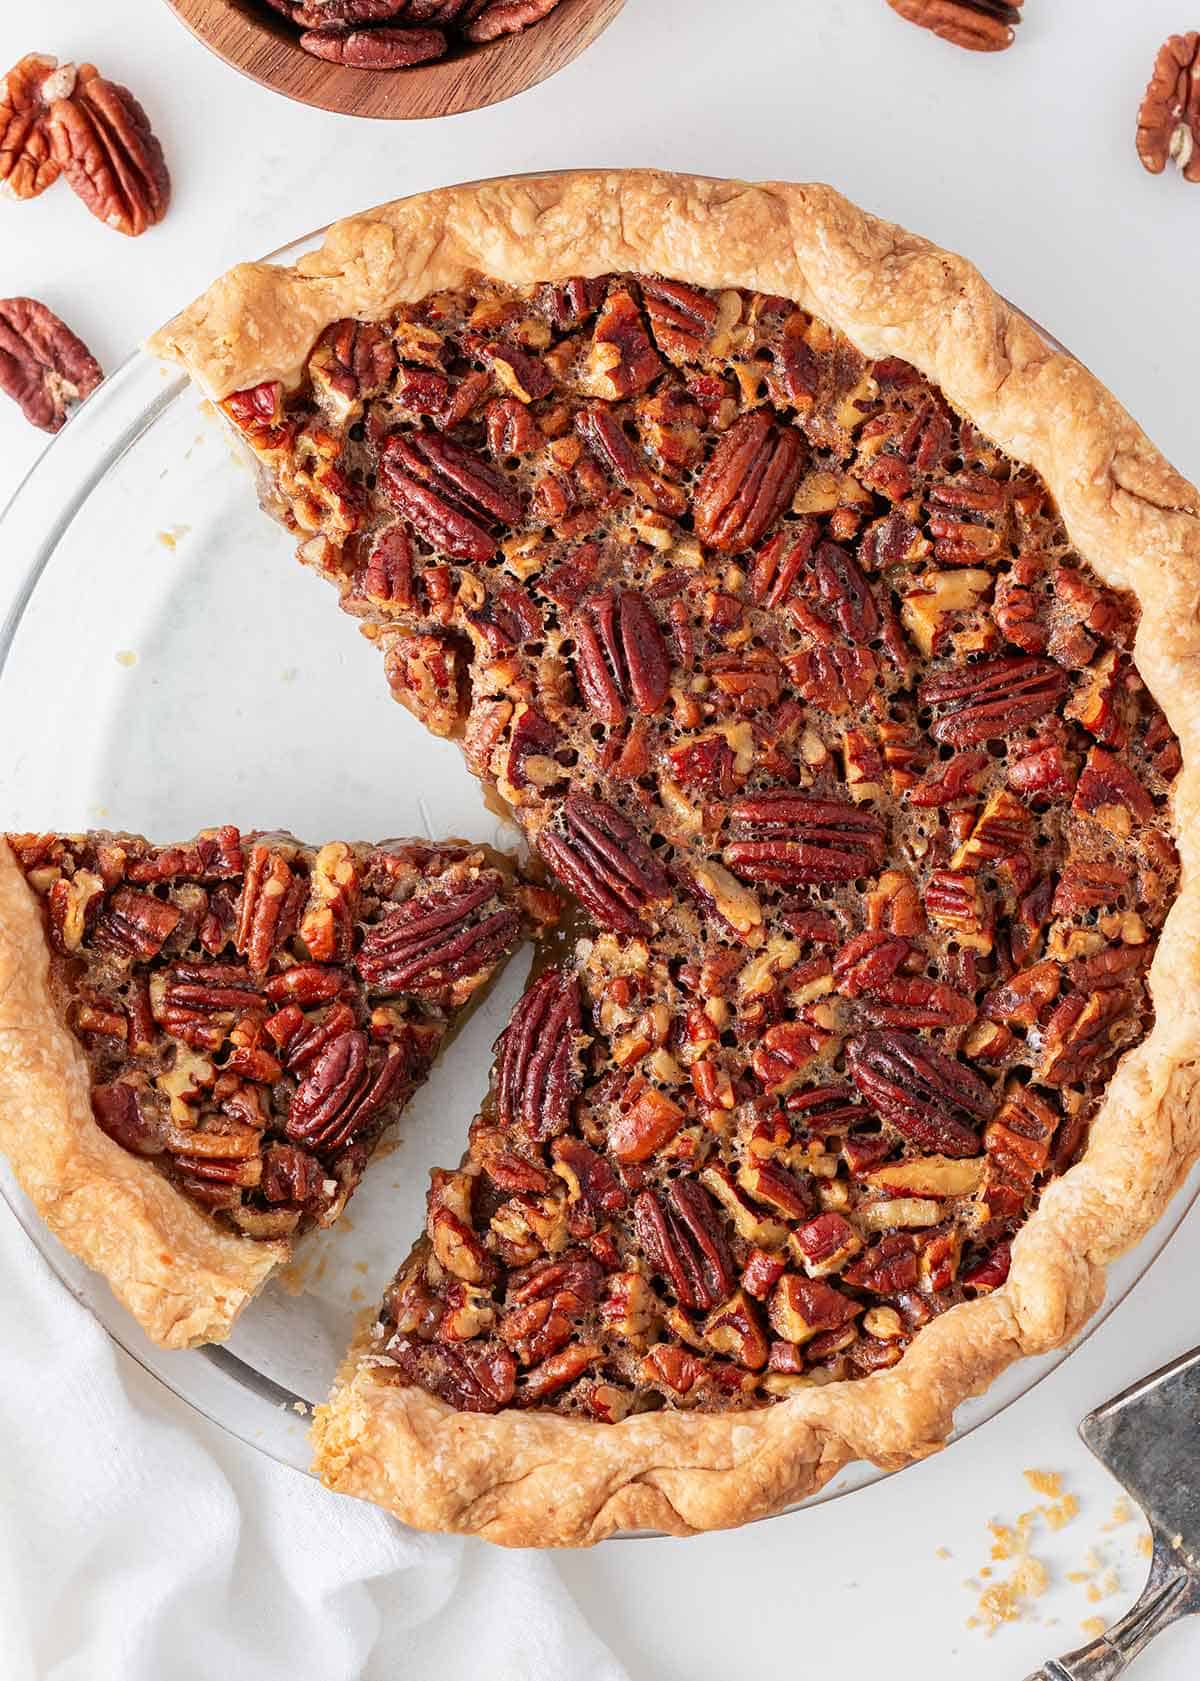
x,y
833,638
201,1044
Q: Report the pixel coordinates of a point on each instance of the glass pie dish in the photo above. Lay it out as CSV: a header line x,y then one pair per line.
x,y
184,671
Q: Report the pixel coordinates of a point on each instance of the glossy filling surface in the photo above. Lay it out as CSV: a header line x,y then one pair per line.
x,y
796,682
254,1012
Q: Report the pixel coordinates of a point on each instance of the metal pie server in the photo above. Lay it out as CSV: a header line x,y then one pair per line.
x,y
1149,1438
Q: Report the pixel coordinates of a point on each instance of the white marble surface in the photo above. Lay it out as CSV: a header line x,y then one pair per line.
x,y
1025,161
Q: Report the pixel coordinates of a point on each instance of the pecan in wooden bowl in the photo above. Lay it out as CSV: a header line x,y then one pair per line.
x,y
397,58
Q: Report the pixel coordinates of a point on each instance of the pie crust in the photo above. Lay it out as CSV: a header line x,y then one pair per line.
x,y
183,1273
529,1478
184,1279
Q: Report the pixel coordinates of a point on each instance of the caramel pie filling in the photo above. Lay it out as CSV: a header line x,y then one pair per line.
x,y
254,1012
795,681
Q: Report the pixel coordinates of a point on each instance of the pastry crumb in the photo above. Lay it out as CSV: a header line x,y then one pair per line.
x,y
126,657
942,1552
1048,1483
171,536
1061,1512
1144,1546
1093,1627
1122,1513
300,1407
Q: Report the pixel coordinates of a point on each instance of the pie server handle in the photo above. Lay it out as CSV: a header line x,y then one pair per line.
x,y
1170,1593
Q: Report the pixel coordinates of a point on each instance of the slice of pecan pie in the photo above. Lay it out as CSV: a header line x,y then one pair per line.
x,y
201,1044
816,620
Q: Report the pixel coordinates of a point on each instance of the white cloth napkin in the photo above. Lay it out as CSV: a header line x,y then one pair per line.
x,y
139,1543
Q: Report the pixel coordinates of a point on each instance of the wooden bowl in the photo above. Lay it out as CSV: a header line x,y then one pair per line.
x,y
264,46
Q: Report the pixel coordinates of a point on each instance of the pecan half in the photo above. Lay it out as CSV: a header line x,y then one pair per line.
x,y
537,1058
931,1099
473,1376
27,163
982,26
621,659
43,366
343,14
797,840
430,942
507,17
681,1236
601,858
451,497
340,1094
600,428
748,482
119,1114
376,49
992,698
102,141
1168,125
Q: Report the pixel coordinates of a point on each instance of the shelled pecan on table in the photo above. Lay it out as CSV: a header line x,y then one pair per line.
x,y
43,366
982,26
66,119
1168,126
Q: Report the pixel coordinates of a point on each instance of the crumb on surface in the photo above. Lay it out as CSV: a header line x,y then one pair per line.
x,y
943,1552
125,657
1048,1483
1144,1546
1093,1627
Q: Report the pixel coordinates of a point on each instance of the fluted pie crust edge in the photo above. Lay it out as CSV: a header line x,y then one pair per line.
x,y
184,1279
535,1478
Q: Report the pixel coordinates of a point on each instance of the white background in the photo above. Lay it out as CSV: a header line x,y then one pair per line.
x,y
1024,161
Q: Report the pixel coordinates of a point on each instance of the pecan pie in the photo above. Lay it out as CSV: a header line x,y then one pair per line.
x,y
203,1043
832,638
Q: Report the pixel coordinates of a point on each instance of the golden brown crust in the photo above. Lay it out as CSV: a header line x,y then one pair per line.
x,y
183,1279
526,1478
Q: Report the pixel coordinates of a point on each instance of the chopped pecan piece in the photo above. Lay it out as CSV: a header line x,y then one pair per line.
x,y
1110,794
622,361
802,1307
1082,1035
